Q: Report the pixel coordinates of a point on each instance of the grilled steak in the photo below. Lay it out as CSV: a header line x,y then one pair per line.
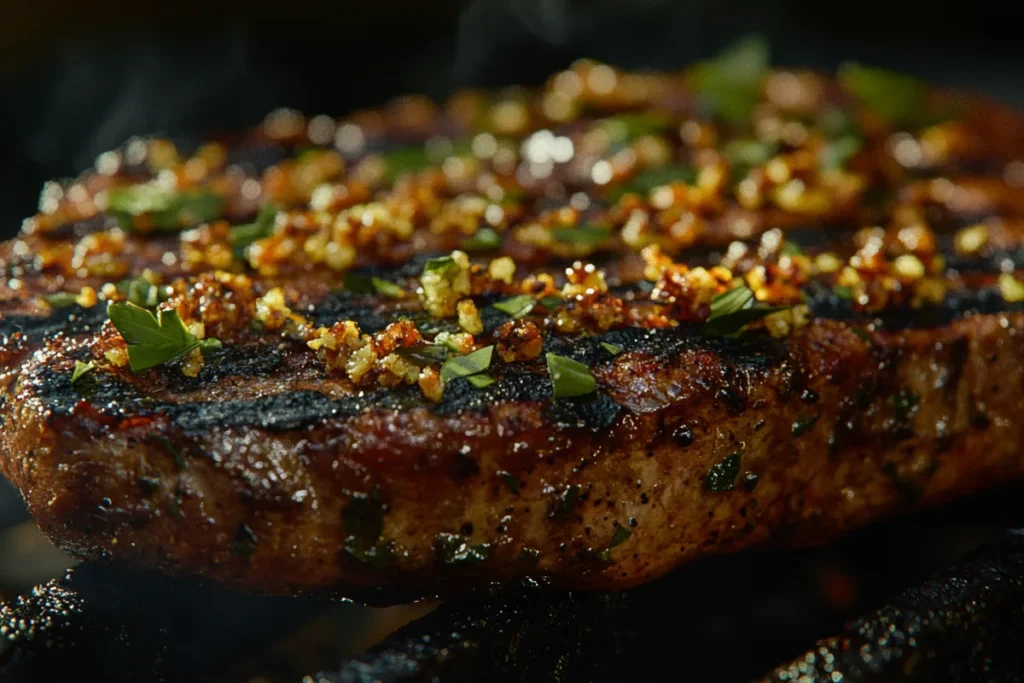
x,y
582,334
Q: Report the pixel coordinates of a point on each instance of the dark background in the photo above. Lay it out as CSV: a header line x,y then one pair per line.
x,y
77,79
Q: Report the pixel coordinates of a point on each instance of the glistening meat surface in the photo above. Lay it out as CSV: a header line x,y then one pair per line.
x,y
440,346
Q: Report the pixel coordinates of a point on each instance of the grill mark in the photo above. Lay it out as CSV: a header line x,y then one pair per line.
x,y
72,320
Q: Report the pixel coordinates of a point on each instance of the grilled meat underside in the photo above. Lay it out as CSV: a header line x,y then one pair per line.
x,y
265,465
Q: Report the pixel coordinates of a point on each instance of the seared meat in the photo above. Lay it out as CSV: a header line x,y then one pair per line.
x,y
633,369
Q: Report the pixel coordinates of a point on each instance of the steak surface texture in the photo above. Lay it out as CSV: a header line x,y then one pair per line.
x,y
580,334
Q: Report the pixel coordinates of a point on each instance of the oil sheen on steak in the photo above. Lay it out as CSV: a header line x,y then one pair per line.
x,y
890,381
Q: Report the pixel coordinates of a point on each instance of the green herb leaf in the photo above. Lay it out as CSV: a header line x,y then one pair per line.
x,y
613,349
733,310
483,240
722,475
140,292
585,235
803,424
620,536
836,122
244,235
731,83
152,340
357,283
551,302
464,366
386,288
750,152
509,480
168,209
647,180
61,299
81,370
440,265
838,152
452,549
843,291
626,127
481,381
517,306
730,302
423,355
412,159
569,377
210,344
790,249
897,98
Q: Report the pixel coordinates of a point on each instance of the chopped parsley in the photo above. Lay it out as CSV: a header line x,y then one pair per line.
x,y
626,127
140,292
441,264
835,154
790,249
722,475
466,366
843,291
167,209
154,339
81,371
357,283
244,235
731,82
733,310
551,302
483,240
613,349
651,178
897,98
621,535
569,377
584,235
61,299
423,355
481,381
517,306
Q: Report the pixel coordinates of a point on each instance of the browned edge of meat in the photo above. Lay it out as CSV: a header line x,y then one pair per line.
x,y
716,447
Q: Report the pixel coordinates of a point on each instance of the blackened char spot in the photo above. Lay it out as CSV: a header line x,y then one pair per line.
x,y
956,305
754,351
112,396
234,360
280,412
71,320
595,412
515,383
360,309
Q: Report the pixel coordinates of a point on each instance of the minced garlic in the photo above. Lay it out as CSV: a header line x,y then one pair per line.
x,y
442,288
469,317
1011,288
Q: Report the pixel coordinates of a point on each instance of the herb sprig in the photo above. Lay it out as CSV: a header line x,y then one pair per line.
x,y
733,310
154,339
